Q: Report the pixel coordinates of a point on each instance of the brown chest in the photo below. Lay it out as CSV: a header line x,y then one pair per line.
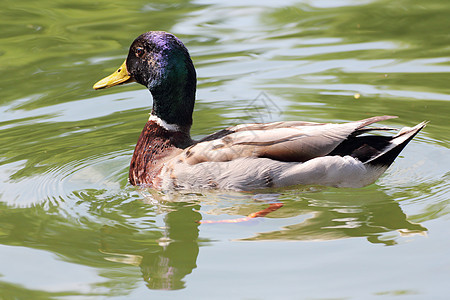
x,y
154,147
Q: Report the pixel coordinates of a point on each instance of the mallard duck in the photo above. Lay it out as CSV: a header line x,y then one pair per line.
x,y
242,157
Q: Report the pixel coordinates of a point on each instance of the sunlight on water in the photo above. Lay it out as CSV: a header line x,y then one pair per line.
x,y
72,227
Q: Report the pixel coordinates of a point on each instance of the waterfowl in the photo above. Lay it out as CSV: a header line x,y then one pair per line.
x,y
242,157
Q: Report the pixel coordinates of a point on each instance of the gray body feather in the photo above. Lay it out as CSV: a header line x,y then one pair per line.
x,y
255,156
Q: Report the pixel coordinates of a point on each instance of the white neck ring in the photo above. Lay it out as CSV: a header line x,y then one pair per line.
x,y
164,124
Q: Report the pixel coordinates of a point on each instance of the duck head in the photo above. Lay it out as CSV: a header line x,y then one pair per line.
x,y
161,62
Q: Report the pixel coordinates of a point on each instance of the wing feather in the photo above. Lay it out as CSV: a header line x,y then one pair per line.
x,y
283,141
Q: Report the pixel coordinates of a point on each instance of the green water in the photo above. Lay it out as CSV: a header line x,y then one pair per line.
x,y
71,227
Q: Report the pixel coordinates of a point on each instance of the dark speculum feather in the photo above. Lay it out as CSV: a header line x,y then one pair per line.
x,y
362,147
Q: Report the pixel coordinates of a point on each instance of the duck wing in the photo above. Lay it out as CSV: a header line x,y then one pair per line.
x,y
240,159
282,141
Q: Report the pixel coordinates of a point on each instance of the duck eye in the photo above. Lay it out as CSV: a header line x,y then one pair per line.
x,y
139,52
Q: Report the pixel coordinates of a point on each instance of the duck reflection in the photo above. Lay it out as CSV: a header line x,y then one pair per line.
x,y
167,254
164,258
179,250
329,216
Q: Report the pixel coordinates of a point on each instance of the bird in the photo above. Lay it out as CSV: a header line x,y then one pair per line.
x,y
243,157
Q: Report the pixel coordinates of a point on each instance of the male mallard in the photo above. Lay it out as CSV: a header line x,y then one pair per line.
x,y
242,157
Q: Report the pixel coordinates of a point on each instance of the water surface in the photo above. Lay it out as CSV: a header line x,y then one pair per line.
x,y
72,227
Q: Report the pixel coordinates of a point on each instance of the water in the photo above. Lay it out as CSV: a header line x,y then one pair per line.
x,y
72,228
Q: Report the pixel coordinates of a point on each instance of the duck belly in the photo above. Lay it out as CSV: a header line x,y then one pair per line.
x,y
245,174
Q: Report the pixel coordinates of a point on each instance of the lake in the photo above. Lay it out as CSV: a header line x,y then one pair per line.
x,y
71,227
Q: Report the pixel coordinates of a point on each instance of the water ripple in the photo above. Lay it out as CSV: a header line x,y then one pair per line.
x,y
58,183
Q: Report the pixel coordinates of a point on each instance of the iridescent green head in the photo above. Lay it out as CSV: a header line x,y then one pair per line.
x,y
161,62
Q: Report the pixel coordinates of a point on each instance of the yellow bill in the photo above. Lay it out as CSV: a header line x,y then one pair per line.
x,y
118,77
